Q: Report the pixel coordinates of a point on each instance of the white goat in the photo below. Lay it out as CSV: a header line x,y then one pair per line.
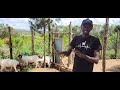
x,y
47,60
8,63
30,59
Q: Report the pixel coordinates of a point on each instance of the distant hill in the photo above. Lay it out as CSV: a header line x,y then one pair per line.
x,y
26,31
22,30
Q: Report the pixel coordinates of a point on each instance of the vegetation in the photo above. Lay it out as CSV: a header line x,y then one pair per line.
x,y
22,44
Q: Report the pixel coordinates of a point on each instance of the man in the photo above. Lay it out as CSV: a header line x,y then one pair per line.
x,y
85,47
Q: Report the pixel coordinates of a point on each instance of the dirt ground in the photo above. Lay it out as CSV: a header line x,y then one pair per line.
x,y
44,70
112,65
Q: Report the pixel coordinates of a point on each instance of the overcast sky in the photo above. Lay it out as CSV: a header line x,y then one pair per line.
x,y
22,23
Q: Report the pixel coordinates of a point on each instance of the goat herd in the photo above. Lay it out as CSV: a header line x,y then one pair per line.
x,y
9,65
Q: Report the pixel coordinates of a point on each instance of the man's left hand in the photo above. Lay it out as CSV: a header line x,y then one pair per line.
x,y
79,54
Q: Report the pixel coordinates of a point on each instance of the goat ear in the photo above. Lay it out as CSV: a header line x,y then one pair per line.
x,y
39,56
20,56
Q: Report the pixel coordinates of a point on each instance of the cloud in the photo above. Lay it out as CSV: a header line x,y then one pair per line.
x,y
19,23
74,21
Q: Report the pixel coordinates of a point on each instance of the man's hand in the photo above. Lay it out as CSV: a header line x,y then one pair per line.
x,y
79,53
66,53
61,54
94,59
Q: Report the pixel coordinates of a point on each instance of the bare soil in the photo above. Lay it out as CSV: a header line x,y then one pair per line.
x,y
112,65
44,70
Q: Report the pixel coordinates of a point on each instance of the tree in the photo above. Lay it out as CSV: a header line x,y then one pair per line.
x,y
117,29
50,24
41,24
4,32
76,30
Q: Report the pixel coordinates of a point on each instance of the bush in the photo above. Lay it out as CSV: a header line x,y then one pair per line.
x,y
118,55
1,43
4,52
110,54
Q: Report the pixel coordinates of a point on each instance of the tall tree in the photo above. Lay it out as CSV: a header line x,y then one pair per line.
x,y
117,30
50,23
4,32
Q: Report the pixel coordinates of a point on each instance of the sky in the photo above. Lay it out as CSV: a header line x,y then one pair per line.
x,y
22,23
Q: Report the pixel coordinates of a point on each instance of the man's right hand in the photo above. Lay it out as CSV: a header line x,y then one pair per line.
x,y
66,53
61,53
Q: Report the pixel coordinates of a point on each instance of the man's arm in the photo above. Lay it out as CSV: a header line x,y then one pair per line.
x,y
94,59
71,46
66,53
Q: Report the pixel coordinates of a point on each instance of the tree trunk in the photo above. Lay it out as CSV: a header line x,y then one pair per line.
x,y
10,43
53,56
49,39
32,32
56,34
70,39
116,46
105,44
102,46
44,48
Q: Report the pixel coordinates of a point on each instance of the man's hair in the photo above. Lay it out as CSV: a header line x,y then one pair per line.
x,y
87,22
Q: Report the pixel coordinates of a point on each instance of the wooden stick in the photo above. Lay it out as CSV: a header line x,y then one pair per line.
x,y
70,39
44,48
62,68
32,32
10,43
60,58
105,44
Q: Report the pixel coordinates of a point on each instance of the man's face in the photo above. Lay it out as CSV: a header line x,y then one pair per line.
x,y
86,29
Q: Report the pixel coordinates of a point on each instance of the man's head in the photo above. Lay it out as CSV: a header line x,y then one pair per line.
x,y
86,26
